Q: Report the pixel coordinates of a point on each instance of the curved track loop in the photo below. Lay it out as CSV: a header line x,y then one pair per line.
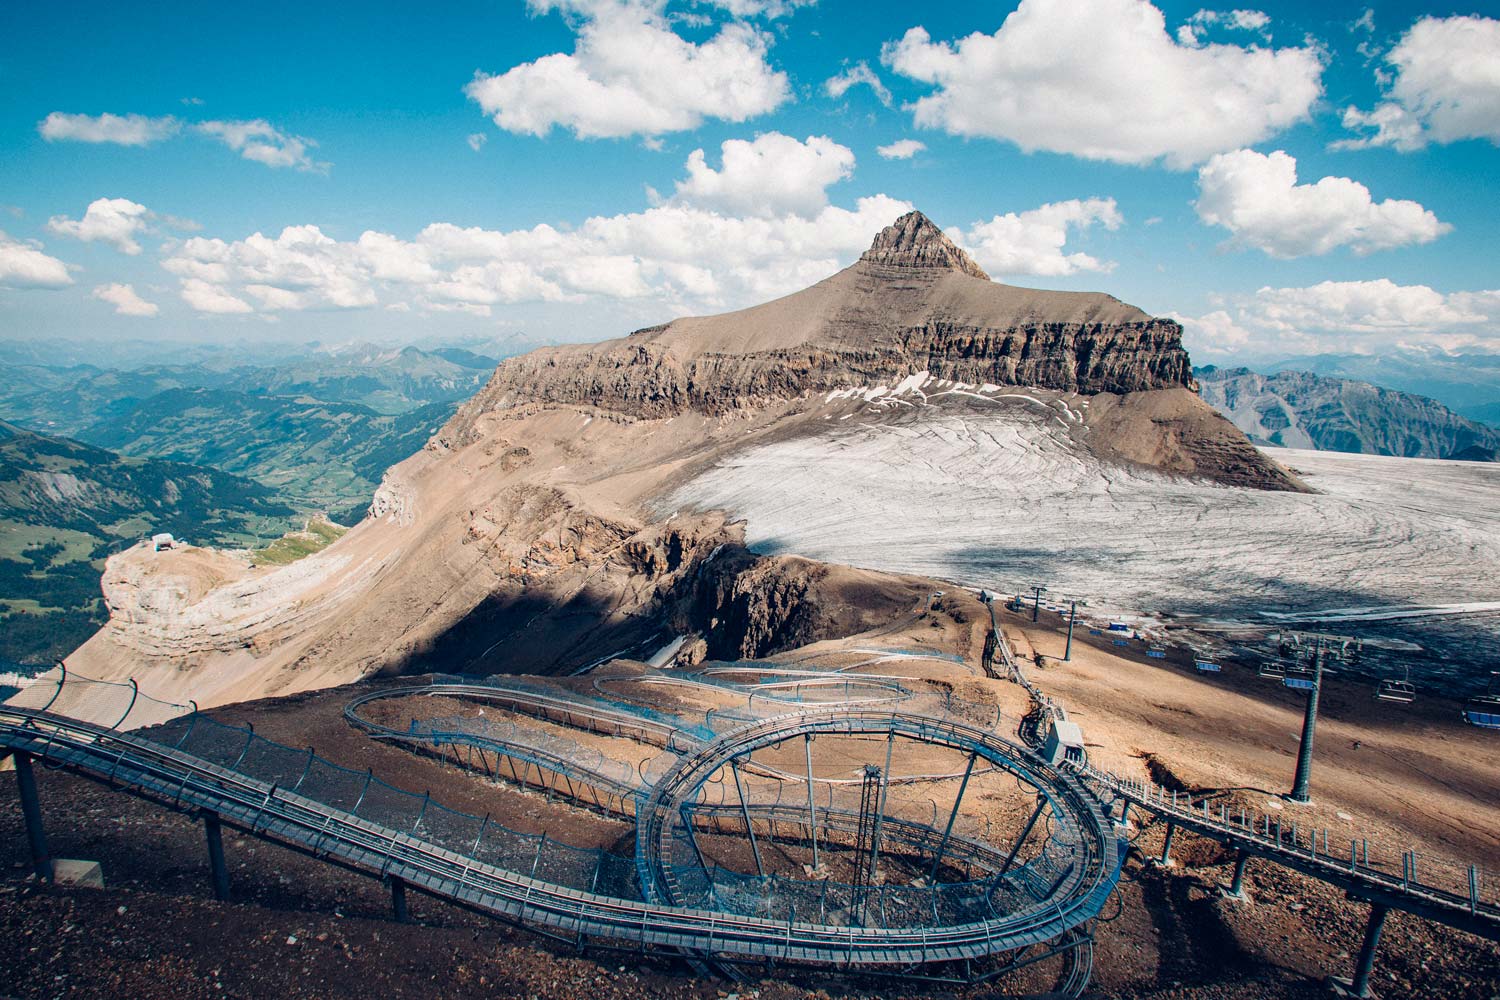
x,y
155,765
1064,888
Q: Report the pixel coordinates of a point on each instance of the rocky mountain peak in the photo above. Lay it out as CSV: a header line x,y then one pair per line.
x,y
914,240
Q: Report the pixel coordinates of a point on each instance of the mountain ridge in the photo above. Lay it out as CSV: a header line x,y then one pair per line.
x,y
1304,410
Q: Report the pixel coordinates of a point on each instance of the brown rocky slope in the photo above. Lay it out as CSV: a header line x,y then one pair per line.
x,y
524,535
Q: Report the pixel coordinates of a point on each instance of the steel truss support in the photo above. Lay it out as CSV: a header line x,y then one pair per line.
x,y
948,830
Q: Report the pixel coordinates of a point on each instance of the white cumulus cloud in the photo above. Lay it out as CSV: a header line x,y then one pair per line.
x,y
263,142
209,298
860,74
1445,87
125,300
680,257
758,8
630,73
115,221
1257,198
1346,316
771,175
901,149
23,265
122,130
1197,26
1103,80
1032,242
477,140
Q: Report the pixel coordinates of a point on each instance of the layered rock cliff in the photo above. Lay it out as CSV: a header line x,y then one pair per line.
x,y
913,302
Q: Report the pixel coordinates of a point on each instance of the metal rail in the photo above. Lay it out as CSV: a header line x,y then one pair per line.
x,y
1472,904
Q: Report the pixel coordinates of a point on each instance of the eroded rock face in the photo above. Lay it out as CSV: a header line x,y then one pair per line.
x,y
914,241
914,302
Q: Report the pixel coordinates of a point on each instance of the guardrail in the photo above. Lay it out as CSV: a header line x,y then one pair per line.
x,y
1464,896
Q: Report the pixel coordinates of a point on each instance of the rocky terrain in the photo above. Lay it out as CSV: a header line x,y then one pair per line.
x,y
529,532
1303,410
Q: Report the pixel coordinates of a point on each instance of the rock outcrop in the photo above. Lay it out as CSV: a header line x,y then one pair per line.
x,y
915,302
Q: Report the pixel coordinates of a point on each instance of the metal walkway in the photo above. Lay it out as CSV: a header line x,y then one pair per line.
x,y
232,777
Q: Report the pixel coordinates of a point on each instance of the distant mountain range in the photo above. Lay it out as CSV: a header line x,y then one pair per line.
x,y
132,355
1298,409
1468,383
65,506
320,427
78,399
325,456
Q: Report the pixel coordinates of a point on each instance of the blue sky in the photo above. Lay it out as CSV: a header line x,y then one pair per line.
x,y
577,170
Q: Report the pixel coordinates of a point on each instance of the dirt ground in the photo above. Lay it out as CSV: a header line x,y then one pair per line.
x,y
1410,776
298,928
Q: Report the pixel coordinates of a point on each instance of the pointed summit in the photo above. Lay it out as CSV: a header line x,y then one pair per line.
x,y
915,241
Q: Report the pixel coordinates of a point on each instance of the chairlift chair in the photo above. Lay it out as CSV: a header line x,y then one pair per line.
x,y
1299,677
1272,669
1398,690
1484,710
1206,666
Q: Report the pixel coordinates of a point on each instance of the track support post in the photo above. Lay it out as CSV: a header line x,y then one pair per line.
x,y
31,811
812,815
1166,846
948,830
1237,885
1364,965
398,901
739,786
215,839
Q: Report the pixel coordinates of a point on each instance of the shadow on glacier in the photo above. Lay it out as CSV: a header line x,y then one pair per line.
x,y
1456,653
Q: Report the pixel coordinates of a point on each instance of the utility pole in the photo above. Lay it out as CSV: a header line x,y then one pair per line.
x,y
1036,608
1309,729
1072,617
